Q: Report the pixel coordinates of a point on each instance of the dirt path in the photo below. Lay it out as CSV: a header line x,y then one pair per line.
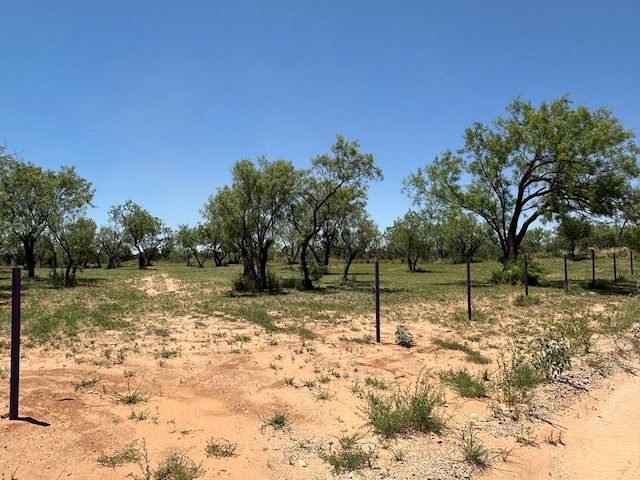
x,y
600,439
603,436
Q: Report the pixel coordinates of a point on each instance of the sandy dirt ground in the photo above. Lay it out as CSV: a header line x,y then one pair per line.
x,y
204,380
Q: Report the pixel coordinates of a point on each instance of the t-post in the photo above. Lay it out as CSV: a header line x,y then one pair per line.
x,y
566,272
469,288
377,282
15,344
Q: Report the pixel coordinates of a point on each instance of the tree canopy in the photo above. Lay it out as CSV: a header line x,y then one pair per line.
x,y
33,199
534,164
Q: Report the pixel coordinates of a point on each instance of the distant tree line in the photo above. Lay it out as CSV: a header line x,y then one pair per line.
x,y
540,180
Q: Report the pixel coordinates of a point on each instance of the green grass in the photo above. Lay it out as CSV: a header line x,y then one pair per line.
x,y
130,397
220,448
463,383
278,421
85,383
107,300
472,355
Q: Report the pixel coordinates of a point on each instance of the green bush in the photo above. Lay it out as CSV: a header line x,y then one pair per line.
x,y
513,274
404,337
551,357
516,377
406,410
350,456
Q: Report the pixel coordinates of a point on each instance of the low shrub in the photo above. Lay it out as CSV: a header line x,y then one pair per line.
x,y
513,274
404,337
406,410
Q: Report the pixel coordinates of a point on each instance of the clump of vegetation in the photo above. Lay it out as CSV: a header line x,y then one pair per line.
x,y
472,448
551,357
472,355
220,448
84,383
130,454
406,410
174,467
516,377
350,456
404,337
130,397
513,274
278,421
526,300
523,369
462,382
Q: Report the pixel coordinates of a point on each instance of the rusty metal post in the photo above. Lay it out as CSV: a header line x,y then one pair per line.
x,y
469,312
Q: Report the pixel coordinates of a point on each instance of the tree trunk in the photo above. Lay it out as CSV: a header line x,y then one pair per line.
x,y
349,260
306,280
30,258
141,261
67,273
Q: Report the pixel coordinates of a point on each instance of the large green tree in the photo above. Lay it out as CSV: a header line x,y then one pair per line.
x,y
76,240
199,242
358,235
534,164
410,237
333,186
142,231
33,198
572,230
250,211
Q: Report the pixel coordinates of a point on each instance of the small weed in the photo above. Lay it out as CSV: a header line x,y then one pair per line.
x,y
130,397
323,394
220,448
554,440
324,379
290,381
309,383
130,454
350,456
364,339
138,416
84,383
278,421
166,354
375,383
526,437
473,450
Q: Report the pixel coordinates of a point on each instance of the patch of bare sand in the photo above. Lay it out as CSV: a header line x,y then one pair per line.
x,y
597,438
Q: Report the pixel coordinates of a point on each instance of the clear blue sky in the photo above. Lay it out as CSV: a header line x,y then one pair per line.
x,y
155,100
